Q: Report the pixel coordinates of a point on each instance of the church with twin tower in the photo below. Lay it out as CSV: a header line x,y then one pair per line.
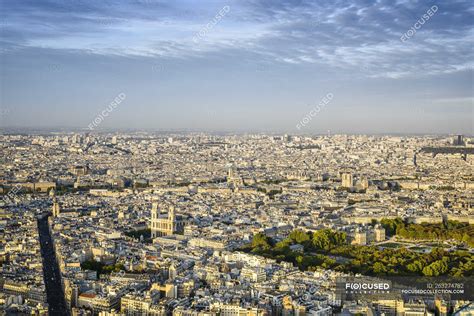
x,y
165,223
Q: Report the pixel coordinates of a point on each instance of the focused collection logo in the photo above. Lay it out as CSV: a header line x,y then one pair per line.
x,y
366,288
348,288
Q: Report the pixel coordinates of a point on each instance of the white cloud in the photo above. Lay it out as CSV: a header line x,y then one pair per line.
x,y
360,36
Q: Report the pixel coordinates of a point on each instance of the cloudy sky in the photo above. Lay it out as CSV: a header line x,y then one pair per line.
x,y
239,65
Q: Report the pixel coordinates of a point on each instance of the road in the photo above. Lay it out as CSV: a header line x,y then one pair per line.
x,y
52,275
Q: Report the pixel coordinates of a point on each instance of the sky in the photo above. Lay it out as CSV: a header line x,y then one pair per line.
x,y
239,65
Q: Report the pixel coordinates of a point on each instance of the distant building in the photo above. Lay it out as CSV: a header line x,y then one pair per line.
x,y
367,235
165,224
458,140
379,233
79,170
416,308
467,310
98,303
56,209
389,306
223,309
347,180
139,305
360,237
442,307
364,183
233,177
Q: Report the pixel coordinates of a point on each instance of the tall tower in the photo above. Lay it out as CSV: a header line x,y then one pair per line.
x,y
165,224
364,182
154,208
379,232
154,219
56,209
347,180
154,214
171,214
230,173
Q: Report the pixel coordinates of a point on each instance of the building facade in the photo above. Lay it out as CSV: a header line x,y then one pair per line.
x,y
165,224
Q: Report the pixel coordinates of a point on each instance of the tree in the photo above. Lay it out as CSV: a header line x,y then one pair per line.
x,y
379,268
416,266
299,236
321,239
281,245
327,239
261,241
391,225
436,268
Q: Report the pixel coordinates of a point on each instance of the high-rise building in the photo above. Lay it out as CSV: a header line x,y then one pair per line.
x,y
458,140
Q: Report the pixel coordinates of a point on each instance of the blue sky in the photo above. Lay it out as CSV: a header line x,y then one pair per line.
x,y
258,65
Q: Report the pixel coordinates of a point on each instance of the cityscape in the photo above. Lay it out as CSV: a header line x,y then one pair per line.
x,y
236,158
204,224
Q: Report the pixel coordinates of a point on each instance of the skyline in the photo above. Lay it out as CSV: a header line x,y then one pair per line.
x,y
131,224
239,65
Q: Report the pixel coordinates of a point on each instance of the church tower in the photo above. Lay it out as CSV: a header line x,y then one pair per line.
x,y
171,214
56,209
230,173
165,224
154,210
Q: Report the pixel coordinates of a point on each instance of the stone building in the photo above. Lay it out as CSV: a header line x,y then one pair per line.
x,y
165,224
